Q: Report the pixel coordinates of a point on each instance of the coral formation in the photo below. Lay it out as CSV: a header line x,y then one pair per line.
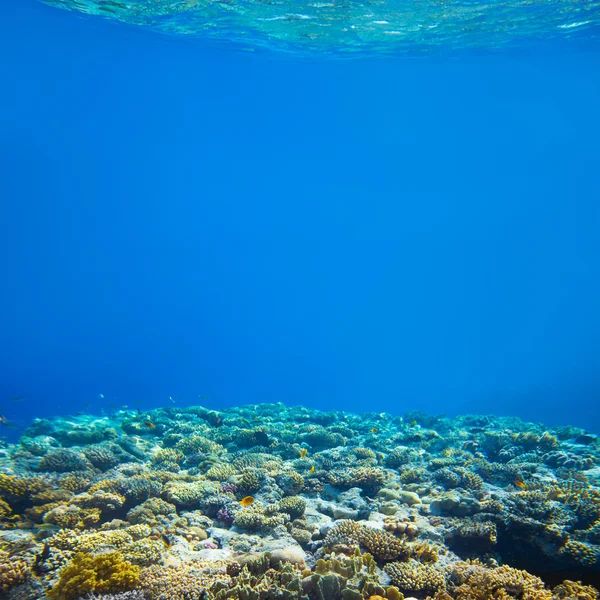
x,y
267,501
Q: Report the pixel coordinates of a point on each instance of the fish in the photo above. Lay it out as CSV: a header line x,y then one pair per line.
x,y
312,470
100,396
165,539
6,423
413,423
520,484
247,501
303,452
149,425
17,399
374,430
45,527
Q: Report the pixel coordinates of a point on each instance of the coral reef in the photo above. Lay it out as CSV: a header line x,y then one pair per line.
x,y
269,502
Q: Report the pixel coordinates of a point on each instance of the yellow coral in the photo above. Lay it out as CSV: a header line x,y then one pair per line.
x,y
104,573
12,572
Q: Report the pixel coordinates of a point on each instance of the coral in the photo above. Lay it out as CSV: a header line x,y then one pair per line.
x,y
398,457
147,511
472,537
410,475
63,460
290,482
249,482
142,487
477,582
13,487
189,494
293,506
131,595
255,519
415,578
574,589
76,482
105,573
582,553
381,544
5,509
197,444
72,517
220,472
189,581
143,552
101,457
13,572
104,501
369,479
318,437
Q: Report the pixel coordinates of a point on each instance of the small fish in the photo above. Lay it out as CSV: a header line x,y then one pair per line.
x,y
149,425
165,539
312,470
247,501
100,396
520,484
6,423
303,452
45,527
171,399
413,423
374,430
17,399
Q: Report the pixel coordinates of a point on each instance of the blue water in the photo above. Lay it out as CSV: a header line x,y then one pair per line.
x,y
182,216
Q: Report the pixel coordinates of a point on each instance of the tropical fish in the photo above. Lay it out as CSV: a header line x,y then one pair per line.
x,y
165,539
374,430
312,470
520,484
413,423
247,501
149,425
303,452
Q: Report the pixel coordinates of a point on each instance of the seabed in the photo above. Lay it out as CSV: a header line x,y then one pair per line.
x,y
274,502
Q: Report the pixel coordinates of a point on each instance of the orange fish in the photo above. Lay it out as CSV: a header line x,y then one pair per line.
x,y
312,470
149,424
247,501
303,452
520,484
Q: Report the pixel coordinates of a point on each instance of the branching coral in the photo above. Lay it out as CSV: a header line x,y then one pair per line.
x,y
381,544
104,573
415,578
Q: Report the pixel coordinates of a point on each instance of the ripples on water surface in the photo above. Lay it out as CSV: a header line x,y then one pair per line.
x,y
357,26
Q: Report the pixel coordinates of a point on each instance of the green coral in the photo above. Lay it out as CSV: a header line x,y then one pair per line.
x,y
101,574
